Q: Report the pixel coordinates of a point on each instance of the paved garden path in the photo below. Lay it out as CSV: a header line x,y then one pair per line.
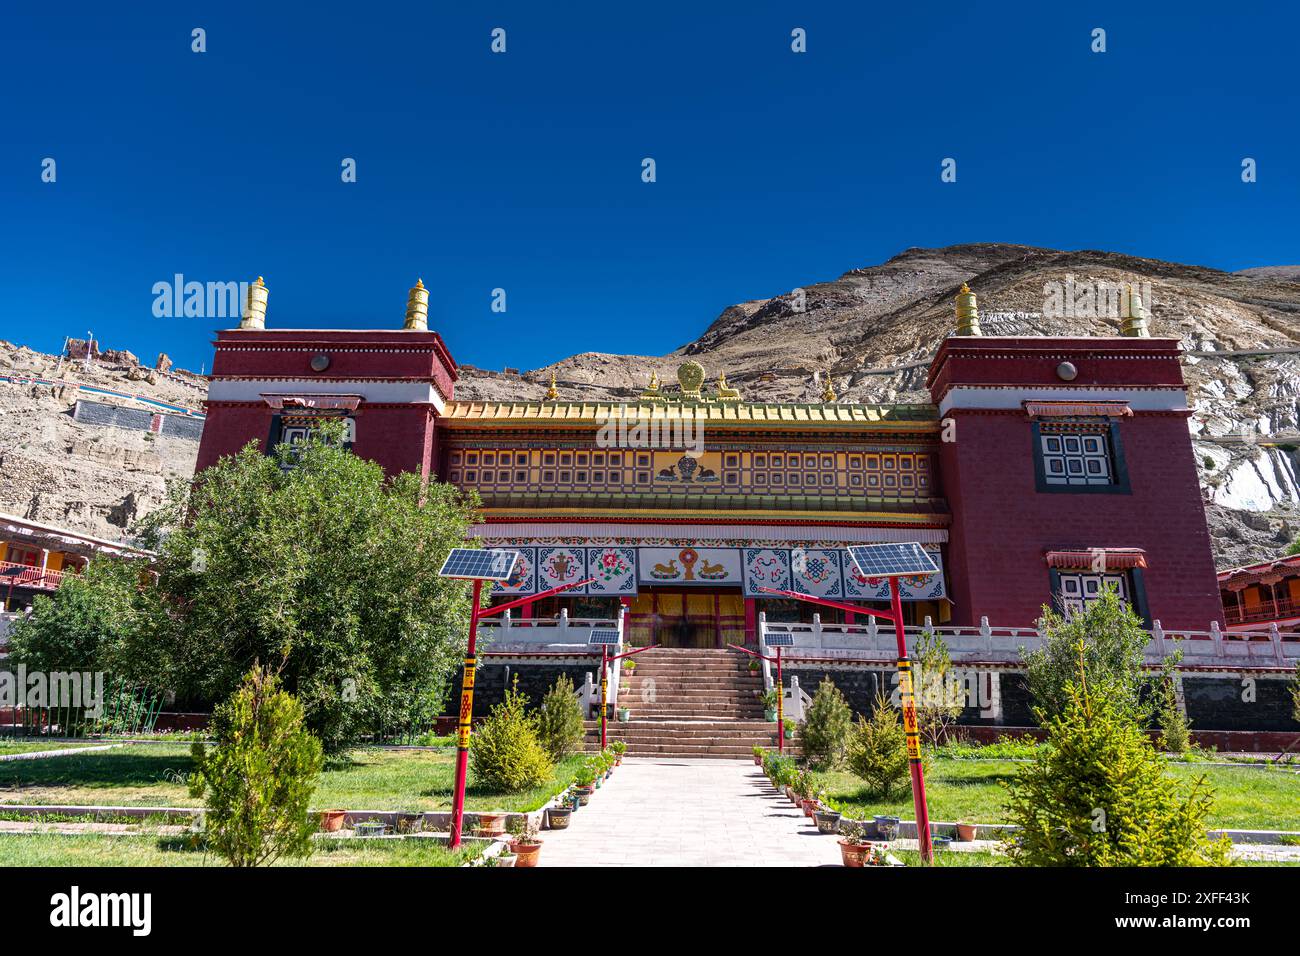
x,y
677,812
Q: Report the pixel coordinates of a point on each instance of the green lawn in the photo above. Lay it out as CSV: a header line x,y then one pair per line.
x,y
31,746
153,775
969,791
52,849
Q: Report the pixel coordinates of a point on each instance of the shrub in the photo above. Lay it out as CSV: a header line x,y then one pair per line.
x,y
1175,728
1113,641
826,727
877,750
505,751
1295,695
1099,794
559,720
259,776
939,694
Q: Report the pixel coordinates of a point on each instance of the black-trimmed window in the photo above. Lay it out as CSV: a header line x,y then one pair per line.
x,y
1074,590
1079,455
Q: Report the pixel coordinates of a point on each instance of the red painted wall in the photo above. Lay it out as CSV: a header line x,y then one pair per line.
x,y
1002,526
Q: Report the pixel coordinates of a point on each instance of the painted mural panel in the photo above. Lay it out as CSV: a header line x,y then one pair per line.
x,y
614,570
692,566
561,565
523,580
816,572
767,568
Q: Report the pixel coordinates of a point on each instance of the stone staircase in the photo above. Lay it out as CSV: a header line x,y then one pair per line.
x,y
688,702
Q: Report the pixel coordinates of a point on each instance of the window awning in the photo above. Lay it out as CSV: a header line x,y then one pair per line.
x,y
1088,409
317,402
1100,560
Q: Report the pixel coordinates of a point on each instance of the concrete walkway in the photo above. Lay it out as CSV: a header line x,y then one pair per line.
x,y
678,812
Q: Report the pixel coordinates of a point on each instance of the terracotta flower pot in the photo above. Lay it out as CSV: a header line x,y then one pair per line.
x,y
854,854
491,824
809,808
527,853
967,831
758,761
331,821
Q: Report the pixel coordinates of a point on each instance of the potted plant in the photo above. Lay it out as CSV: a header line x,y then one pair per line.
x,y
557,818
490,824
370,828
584,783
526,845
966,832
855,848
629,665
790,726
620,748
886,827
804,788
941,842
828,817
505,859
406,823
758,756
331,821
768,699
624,715
754,664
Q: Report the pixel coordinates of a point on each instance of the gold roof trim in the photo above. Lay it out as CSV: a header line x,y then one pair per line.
x,y
782,414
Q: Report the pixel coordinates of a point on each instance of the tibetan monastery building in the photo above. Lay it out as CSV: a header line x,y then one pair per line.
x,y
1041,470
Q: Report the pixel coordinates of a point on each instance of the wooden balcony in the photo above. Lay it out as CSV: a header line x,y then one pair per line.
x,y
1268,610
27,576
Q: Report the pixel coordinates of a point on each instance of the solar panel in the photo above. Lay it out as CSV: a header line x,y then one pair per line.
x,y
778,640
603,635
892,560
479,564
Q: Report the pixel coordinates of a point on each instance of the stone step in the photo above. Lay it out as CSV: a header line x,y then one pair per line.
x,y
667,726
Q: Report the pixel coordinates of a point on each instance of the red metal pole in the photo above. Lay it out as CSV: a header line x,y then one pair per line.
x,y
604,692
463,724
907,698
780,705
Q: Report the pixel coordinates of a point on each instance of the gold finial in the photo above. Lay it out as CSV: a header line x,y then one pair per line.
x,y
828,391
551,393
1134,321
654,381
968,313
255,307
417,308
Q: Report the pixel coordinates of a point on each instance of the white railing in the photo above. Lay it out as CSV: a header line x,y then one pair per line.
x,y
876,642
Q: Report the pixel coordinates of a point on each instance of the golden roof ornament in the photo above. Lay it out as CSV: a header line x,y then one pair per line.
x,y
255,308
652,392
551,393
725,392
690,376
417,308
968,313
828,390
1134,321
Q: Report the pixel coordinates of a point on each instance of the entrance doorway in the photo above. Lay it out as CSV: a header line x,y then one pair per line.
x,y
687,617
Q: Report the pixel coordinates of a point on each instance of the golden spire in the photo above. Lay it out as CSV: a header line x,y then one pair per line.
x,y
725,392
551,393
654,381
828,390
968,313
255,307
417,308
1134,321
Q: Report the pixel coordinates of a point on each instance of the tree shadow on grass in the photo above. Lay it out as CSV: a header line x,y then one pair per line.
x,y
102,769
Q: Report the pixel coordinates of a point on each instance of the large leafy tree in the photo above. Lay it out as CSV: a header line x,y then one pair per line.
x,y
313,560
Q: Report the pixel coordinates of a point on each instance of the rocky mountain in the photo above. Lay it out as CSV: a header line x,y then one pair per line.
x,y
874,329
88,477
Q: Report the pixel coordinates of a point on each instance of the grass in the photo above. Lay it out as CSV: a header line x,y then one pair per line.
x,y
32,746
46,849
970,791
153,775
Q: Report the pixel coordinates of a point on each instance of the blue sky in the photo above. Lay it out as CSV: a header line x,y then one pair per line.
x,y
522,170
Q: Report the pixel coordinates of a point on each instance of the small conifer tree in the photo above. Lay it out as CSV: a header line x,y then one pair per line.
x,y
559,719
877,750
826,727
505,752
258,778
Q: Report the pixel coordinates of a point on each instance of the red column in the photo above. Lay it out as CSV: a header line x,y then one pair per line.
x,y
751,622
